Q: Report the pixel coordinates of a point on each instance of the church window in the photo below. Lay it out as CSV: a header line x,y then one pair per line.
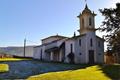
x,y
91,42
99,54
71,46
41,54
80,42
90,21
82,22
99,43
80,53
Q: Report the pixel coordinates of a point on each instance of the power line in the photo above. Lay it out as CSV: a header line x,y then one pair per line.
x,y
31,41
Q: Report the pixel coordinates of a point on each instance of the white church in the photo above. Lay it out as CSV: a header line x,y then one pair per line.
x,y
85,48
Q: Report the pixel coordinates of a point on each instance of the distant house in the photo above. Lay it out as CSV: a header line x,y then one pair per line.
x,y
19,51
86,47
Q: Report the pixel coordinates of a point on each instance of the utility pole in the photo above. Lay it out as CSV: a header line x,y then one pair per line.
x,y
24,46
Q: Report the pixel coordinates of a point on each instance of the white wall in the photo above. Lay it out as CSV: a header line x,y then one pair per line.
x,y
29,51
68,48
80,51
90,35
100,51
85,47
37,53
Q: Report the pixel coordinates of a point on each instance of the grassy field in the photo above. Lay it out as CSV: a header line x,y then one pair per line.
x,y
25,68
20,68
97,72
4,68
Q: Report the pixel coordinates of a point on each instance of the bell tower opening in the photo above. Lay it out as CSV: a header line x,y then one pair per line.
x,y
90,21
83,22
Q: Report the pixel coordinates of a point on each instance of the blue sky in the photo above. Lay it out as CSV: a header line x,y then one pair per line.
x,y
37,19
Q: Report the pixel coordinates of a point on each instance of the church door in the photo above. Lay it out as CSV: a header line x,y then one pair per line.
x,y
91,56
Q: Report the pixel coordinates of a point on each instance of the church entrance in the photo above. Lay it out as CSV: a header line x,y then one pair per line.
x,y
91,56
71,57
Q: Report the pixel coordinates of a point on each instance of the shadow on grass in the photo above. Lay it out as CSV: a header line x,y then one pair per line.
x,y
25,68
112,71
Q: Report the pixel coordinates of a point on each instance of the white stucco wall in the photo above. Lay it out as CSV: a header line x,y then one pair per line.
x,y
100,51
90,35
68,48
38,55
29,51
80,51
46,55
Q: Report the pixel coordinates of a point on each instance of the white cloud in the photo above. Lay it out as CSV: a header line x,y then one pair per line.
x,y
112,3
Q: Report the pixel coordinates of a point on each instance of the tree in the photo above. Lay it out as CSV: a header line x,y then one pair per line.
x,y
111,25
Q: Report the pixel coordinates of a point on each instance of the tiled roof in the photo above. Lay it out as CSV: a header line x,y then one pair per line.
x,y
74,37
58,36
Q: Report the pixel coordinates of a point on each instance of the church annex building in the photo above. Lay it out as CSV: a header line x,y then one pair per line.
x,y
86,47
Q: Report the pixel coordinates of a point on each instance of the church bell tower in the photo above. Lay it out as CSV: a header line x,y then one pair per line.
x,y
87,21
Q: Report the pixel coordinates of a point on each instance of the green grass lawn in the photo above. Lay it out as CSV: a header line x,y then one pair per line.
x,y
97,72
25,68
4,68
13,59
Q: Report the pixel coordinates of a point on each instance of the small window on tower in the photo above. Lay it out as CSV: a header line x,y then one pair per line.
x,y
82,22
90,21
91,42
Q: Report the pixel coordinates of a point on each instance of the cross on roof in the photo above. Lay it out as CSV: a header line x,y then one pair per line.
x,y
86,1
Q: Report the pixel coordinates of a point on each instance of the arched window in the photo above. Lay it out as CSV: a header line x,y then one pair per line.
x,y
98,43
91,42
71,46
41,54
90,21
80,42
82,22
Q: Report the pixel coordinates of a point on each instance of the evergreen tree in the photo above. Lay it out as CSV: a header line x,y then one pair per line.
x,y
111,25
